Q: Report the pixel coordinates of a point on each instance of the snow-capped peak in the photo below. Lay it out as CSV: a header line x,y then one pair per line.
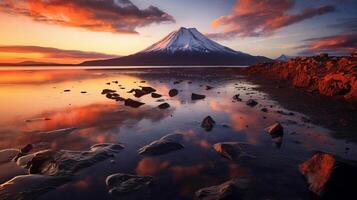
x,y
187,39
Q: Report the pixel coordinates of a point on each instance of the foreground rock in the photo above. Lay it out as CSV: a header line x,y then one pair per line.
x,y
23,151
132,103
330,176
173,92
156,95
28,187
127,186
330,76
208,123
164,106
161,146
195,96
230,190
65,163
229,150
276,132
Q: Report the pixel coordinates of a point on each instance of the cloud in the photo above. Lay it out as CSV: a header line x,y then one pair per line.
x,y
336,44
252,18
117,16
54,53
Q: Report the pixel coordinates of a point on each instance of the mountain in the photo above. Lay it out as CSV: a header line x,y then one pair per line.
x,y
186,46
33,63
283,58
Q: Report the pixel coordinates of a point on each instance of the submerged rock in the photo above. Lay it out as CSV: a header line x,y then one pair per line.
x,y
173,92
230,190
155,95
64,162
195,96
229,150
161,146
164,106
251,103
133,103
28,187
129,186
330,176
208,123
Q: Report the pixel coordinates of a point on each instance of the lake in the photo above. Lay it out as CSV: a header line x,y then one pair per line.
x,y
36,101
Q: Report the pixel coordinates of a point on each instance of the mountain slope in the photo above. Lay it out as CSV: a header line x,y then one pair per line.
x,y
184,47
283,58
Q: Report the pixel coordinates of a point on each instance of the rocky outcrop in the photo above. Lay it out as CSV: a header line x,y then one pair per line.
x,y
330,76
330,176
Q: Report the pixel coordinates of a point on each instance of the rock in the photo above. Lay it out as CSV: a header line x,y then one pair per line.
x,y
133,103
155,95
129,186
107,91
276,132
175,137
27,187
23,151
251,103
264,110
66,163
7,155
230,190
83,92
208,87
148,89
173,92
330,176
237,98
164,106
229,150
195,96
208,123
161,146
66,90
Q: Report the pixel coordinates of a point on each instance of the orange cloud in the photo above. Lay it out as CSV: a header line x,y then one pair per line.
x,y
95,15
257,18
53,54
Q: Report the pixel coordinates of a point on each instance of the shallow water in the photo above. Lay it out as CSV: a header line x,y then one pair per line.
x,y
35,101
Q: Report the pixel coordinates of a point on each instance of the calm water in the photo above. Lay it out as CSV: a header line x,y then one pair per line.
x,y
29,97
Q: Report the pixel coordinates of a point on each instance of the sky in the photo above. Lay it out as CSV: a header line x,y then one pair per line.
x,y
72,31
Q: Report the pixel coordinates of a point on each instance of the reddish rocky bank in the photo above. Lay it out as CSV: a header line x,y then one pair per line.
x,y
328,75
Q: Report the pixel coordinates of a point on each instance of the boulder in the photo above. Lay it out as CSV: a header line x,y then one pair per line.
x,y
127,186
276,132
132,103
230,190
155,95
251,103
161,146
173,92
208,123
164,106
195,96
330,176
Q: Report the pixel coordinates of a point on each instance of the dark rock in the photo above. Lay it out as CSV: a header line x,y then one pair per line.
x,y
208,123
264,110
164,106
155,95
133,103
127,186
229,150
237,98
107,91
66,90
276,132
23,151
116,82
195,96
139,93
161,146
230,190
173,92
83,92
208,87
330,176
252,103
148,89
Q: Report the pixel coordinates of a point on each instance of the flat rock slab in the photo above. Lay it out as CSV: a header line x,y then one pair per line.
x,y
30,187
330,176
161,146
230,190
64,163
127,186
